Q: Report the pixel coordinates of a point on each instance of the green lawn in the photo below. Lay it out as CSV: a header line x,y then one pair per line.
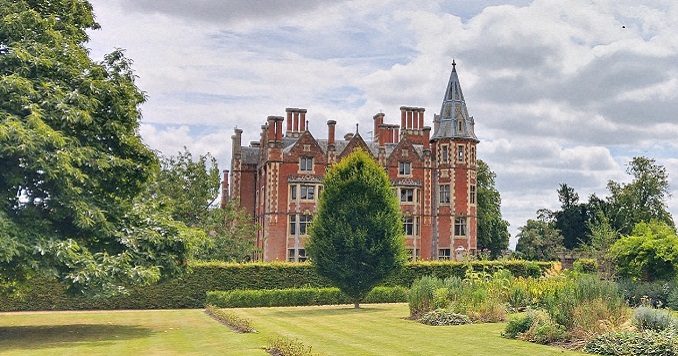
x,y
331,330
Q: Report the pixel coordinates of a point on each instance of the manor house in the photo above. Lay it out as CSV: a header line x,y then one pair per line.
x,y
278,179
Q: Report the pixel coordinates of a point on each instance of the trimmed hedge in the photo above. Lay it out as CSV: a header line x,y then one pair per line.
x,y
189,290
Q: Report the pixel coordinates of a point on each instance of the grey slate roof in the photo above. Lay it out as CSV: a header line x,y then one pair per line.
x,y
453,112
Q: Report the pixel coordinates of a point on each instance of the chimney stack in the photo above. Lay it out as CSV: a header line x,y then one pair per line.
x,y
348,136
225,194
331,124
237,143
427,137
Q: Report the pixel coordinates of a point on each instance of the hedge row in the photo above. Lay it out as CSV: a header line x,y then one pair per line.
x,y
189,290
293,297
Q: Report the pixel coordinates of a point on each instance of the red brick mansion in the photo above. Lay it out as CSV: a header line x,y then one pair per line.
x,y
278,179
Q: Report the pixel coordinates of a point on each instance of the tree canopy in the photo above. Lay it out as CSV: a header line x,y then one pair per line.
x,y
73,163
493,232
649,253
356,238
539,240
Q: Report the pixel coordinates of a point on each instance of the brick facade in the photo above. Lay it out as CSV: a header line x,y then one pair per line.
x,y
278,178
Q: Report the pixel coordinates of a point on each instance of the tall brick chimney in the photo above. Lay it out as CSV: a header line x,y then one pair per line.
x,y
331,126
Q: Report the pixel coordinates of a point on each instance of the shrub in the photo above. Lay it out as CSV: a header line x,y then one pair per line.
x,y
544,329
518,325
648,342
233,321
646,318
597,316
655,293
442,317
422,296
284,346
298,297
672,299
585,265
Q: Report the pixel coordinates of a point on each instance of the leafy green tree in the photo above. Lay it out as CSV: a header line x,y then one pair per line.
x,y
493,232
539,241
649,253
642,200
356,238
188,188
602,236
72,162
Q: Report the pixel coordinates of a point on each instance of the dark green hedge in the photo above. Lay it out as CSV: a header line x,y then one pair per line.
x,y
189,291
252,298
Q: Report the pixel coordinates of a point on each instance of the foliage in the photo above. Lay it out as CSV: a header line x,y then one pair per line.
x,y
572,219
534,326
672,299
649,253
492,234
233,321
648,318
230,235
356,238
654,293
74,165
519,324
249,298
539,240
648,342
189,290
642,200
422,296
284,346
442,317
602,237
585,265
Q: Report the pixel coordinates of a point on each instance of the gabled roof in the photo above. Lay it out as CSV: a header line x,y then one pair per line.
x,y
454,120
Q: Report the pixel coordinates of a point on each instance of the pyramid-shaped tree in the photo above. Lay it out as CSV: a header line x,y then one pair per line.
x,y
356,238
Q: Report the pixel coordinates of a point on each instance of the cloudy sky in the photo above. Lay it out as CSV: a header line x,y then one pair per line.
x,y
562,92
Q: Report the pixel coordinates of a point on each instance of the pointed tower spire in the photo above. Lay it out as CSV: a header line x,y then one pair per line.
x,y
453,120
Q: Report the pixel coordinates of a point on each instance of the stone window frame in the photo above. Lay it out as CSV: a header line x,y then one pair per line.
x,y
444,254
306,164
460,226
444,196
405,168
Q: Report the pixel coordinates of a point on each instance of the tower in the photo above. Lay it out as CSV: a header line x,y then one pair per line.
x,y
454,176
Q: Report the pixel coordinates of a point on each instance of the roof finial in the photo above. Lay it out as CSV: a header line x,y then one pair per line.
x,y
356,128
454,65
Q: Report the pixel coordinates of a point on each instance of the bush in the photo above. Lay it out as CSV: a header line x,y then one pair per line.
x,y
655,293
648,342
231,320
544,329
298,297
423,295
518,325
189,290
672,299
442,317
646,318
585,265
284,346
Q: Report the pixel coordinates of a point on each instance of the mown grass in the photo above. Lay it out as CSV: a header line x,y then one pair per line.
x,y
378,329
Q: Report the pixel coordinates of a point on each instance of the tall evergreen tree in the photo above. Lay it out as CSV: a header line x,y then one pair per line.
x,y
356,238
72,162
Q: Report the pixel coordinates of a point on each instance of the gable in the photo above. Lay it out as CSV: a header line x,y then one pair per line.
x,y
356,142
305,146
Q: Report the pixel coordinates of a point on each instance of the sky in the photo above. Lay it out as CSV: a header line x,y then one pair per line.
x,y
561,92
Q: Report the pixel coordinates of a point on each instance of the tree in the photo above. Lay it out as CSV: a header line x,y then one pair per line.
x,y
649,253
73,163
572,219
493,232
357,238
187,189
642,200
539,241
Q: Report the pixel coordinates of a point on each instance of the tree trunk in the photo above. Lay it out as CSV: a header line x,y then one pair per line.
x,y
356,304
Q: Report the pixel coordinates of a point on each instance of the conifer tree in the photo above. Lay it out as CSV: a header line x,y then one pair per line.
x,y
356,238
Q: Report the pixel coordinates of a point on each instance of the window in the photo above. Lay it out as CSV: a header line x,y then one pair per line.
x,y
408,225
406,195
444,254
460,126
460,153
473,155
307,192
301,255
472,195
293,192
445,154
444,194
459,226
414,254
303,222
404,168
306,164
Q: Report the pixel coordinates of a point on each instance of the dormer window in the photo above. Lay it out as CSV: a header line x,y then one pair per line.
x,y
404,168
306,164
